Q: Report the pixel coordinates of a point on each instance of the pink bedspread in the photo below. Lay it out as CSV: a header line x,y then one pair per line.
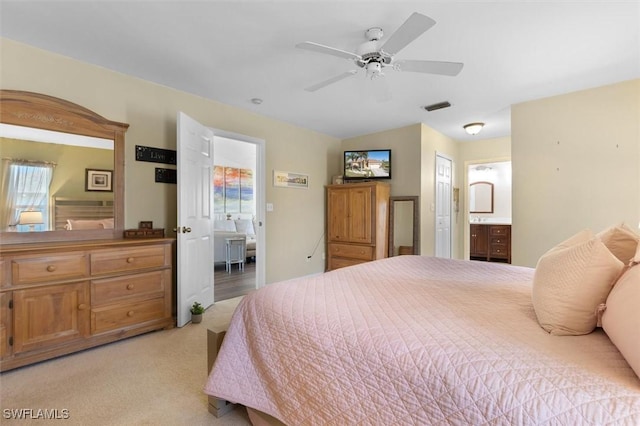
x,y
417,340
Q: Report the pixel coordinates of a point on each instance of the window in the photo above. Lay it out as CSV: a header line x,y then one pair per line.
x,y
27,189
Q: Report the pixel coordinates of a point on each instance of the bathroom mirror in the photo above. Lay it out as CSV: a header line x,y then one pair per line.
x,y
78,130
404,225
481,197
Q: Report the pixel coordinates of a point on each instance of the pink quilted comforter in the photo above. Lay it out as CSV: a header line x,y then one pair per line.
x,y
417,340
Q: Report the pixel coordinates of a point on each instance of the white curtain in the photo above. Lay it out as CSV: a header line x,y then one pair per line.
x,y
25,186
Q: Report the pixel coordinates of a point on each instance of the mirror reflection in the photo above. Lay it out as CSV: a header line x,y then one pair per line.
x,y
481,197
41,171
404,229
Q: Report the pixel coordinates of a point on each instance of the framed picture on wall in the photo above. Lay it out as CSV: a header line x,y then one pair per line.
x,y
290,180
98,180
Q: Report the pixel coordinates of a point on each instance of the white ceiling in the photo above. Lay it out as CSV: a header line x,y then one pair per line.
x,y
513,51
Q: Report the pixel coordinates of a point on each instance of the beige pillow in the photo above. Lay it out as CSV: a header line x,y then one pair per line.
x,y
636,258
83,224
621,240
621,319
569,283
581,237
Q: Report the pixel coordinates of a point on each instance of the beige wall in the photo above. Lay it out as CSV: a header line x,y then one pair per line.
x,y
413,160
576,162
432,143
296,223
405,156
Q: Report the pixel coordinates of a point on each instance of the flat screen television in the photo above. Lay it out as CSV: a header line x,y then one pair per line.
x,y
367,164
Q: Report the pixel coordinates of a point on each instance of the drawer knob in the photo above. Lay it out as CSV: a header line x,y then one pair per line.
x,y
130,286
130,259
130,313
497,241
51,268
82,307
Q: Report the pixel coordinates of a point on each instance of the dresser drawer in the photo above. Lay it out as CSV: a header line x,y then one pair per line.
x,y
342,262
351,251
496,230
145,285
499,250
111,318
111,261
497,241
49,268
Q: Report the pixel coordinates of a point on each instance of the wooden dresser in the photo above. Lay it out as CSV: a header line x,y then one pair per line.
x,y
490,242
357,223
58,298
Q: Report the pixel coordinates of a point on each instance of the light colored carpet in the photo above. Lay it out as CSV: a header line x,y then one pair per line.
x,y
153,379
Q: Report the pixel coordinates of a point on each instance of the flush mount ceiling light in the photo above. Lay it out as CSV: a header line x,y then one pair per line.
x,y
256,101
473,128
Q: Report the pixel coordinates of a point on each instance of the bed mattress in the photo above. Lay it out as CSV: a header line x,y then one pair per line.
x,y
417,340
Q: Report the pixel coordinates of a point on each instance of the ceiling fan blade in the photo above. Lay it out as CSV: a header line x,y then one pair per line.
x,y
331,81
412,28
430,67
315,47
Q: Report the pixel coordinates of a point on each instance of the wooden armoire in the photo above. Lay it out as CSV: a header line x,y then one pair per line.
x,y
357,223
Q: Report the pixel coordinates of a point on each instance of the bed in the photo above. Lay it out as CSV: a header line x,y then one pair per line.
x,y
417,340
80,214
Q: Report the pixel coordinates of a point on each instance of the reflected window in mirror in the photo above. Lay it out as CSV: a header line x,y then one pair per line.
x,y
25,195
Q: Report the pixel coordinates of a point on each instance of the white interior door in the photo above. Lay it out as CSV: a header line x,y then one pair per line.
x,y
195,216
443,206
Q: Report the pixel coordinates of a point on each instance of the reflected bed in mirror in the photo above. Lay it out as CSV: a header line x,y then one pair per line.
x,y
48,144
404,225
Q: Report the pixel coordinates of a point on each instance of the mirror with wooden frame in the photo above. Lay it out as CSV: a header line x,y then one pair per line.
x,y
481,197
87,200
404,225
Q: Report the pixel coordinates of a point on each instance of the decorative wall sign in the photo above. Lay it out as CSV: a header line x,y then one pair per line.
x,y
155,155
166,175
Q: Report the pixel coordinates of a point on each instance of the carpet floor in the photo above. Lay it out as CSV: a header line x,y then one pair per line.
x,y
152,379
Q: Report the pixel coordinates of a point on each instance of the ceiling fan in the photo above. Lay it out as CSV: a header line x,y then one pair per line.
x,y
374,55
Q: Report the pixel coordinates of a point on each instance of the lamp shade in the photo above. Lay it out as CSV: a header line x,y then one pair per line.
x,y
30,218
473,128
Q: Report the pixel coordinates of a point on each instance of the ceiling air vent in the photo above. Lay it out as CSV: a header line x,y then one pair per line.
x,y
437,106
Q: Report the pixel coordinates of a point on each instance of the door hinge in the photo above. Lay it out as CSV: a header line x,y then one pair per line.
x,y
10,340
11,304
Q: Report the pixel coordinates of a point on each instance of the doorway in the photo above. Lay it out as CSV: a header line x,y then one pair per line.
x,y
237,191
493,204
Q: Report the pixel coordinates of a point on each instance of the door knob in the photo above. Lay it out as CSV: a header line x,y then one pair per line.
x,y
186,229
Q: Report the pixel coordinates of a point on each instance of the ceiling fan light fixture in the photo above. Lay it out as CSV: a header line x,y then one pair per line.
x,y
473,128
374,69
